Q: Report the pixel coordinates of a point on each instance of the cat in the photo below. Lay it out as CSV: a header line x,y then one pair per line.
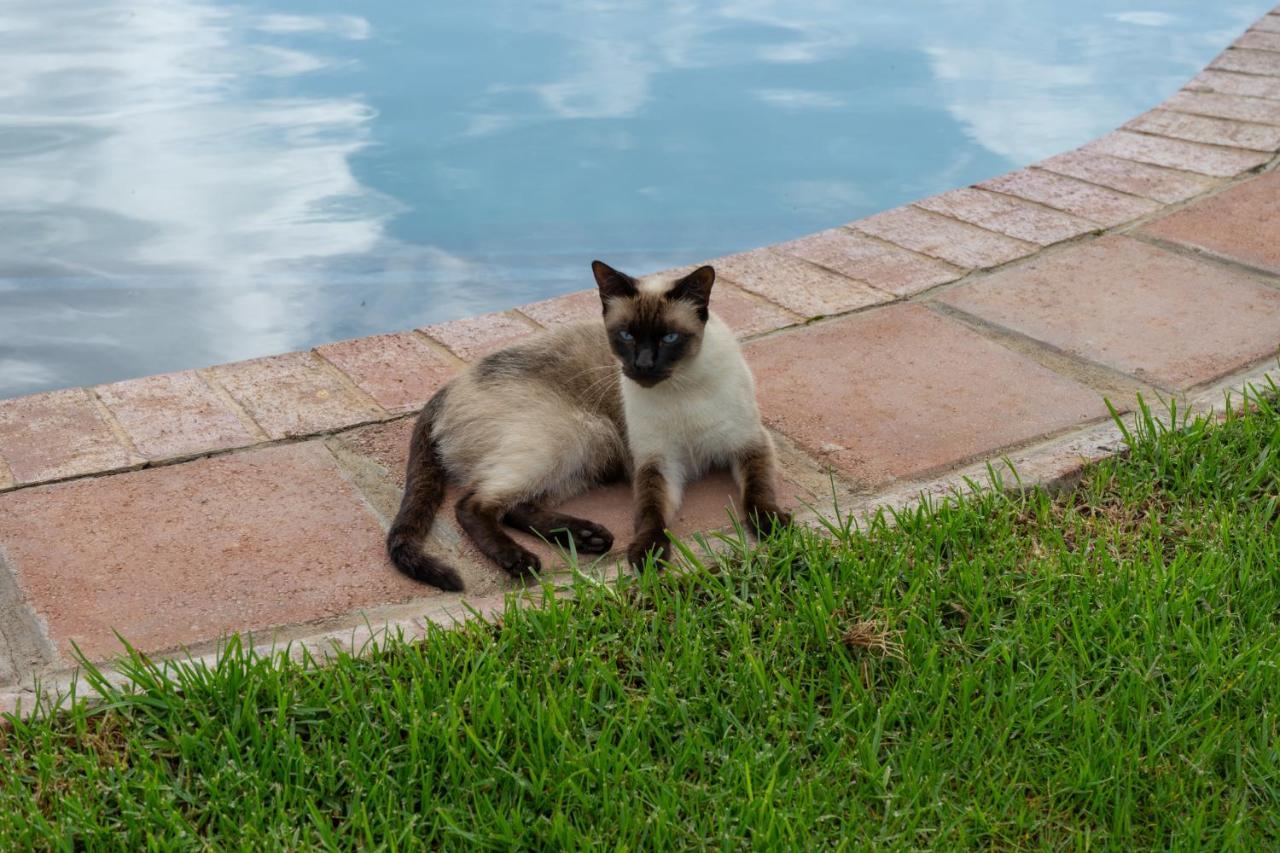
x,y
659,391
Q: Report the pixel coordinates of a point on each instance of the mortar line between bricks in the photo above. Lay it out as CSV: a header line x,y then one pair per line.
x,y
1248,123
1137,131
1187,111
22,631
439,349
758,299
1186,173
1004,335
852,228
1101,227
949,217
210,454
348,476
1045,170
233,405
345,380
1030,202
109,418
1197,253
889,296
523,316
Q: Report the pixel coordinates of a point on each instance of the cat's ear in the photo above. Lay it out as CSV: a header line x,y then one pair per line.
x,y
695,287
612,284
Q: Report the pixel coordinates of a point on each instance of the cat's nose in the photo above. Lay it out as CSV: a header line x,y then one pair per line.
x,y
644,359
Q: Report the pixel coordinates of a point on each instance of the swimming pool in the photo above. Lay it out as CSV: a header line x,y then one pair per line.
x,y
188,182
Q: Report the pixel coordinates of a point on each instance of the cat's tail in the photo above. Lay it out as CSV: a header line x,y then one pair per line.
x,y
425,481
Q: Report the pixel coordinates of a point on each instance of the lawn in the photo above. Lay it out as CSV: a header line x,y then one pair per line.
x,y
1092,670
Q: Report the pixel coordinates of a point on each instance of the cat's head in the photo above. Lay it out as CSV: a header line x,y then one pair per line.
x,y
654,324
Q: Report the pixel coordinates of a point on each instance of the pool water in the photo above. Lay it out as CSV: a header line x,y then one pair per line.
x,y
188,182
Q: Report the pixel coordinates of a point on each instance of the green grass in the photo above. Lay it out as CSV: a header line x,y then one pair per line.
x,y
1098,670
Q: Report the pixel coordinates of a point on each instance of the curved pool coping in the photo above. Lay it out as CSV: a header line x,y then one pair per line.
x,y
1214,142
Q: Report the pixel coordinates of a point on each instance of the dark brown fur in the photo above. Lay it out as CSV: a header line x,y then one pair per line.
x,y
650,522
424,486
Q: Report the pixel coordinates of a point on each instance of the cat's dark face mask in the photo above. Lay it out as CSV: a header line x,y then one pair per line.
x,y
653,330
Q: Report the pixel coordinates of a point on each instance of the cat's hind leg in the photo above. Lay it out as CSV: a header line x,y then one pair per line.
x,y
585,536
482,521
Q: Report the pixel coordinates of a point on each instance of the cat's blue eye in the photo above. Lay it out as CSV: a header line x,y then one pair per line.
x,y
670,338
626,336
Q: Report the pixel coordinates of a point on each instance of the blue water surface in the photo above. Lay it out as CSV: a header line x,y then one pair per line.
x,y
187,182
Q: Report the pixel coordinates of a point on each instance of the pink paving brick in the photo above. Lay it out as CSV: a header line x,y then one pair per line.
x,y
747,315
1214,131
1241,223
174,415
882,265
472,338
1153,182
294,394
1157,315
1262,62
579,307
958,243
744,314
185,553
400,371
1178,154
806,289
1007,215
904,392
1228,83
1267,24
1259,40
1098,204
1225,106
57,434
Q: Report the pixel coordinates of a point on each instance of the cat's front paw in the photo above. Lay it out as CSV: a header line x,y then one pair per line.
x,y
767,520
644,545
520,563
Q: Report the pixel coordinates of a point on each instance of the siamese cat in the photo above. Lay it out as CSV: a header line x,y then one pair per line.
x,y
659,391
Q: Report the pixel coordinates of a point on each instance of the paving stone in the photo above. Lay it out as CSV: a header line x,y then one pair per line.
x,y
882,265
808,290
186,553
955,242
1177,153
293,394
57,434
174,415
1228,83
1153,182
1259,40
1262,62
1225,106
582,306
901,391
1213,131
1092,202
1241,223
1008,216
1267,24
472,338
1154,314
399,371
743,314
